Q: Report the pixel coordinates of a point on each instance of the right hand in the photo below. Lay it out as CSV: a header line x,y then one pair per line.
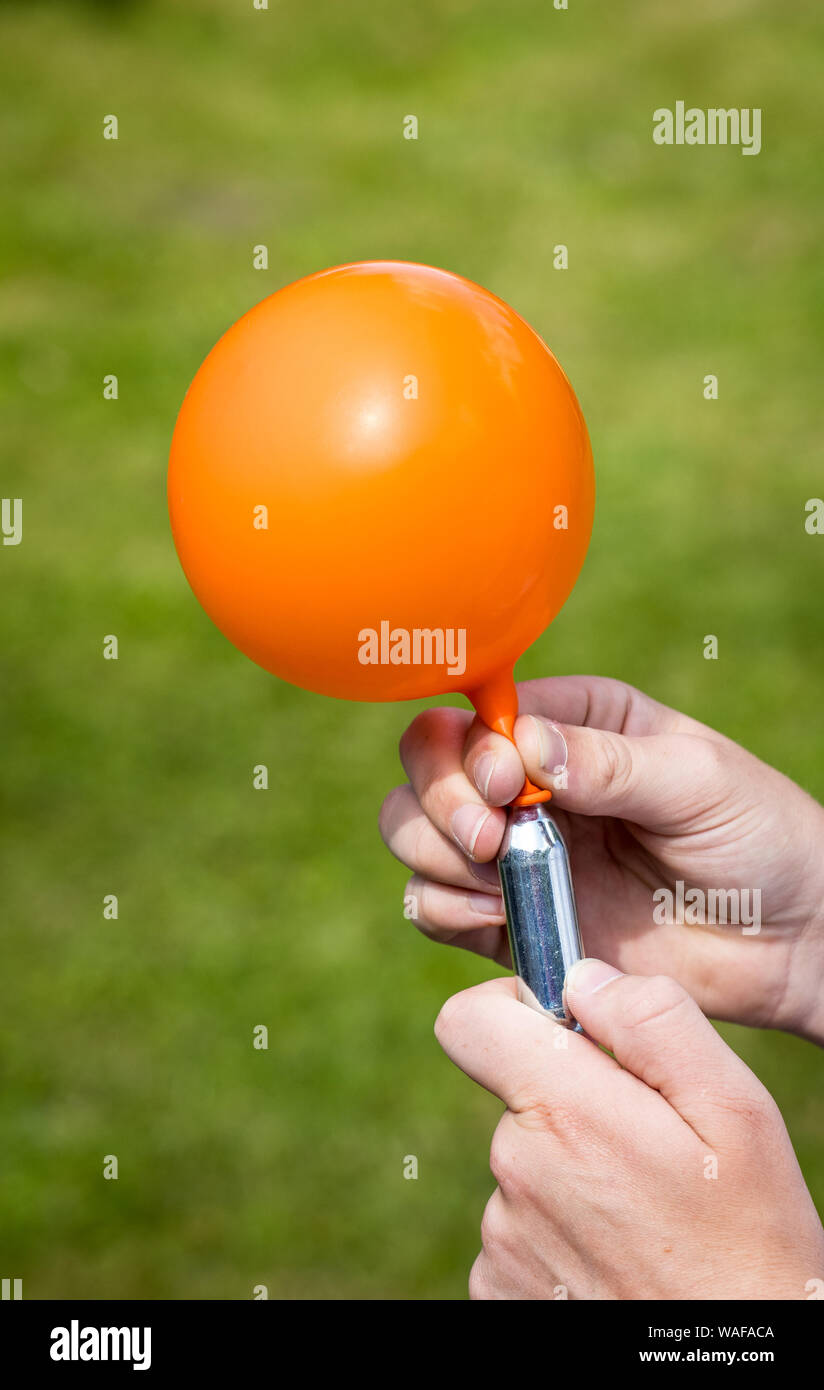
x,y
652,797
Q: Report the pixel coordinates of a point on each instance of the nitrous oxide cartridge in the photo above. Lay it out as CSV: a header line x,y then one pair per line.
x,y
541,918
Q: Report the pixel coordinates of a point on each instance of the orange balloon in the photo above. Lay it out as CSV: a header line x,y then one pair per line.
x,y
381,486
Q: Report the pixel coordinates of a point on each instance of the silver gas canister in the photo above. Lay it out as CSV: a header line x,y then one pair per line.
x,y
540,908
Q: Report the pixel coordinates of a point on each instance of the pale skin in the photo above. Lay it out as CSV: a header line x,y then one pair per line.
x,y
605,1164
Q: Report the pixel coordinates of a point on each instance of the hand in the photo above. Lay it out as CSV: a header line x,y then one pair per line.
x,y
651,798
664,1172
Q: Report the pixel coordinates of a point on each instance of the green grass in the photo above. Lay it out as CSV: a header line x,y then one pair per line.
x,y
238,907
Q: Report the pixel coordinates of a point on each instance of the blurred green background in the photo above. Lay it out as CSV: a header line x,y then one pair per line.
x,y
240,907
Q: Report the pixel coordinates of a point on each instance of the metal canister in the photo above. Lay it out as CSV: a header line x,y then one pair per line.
x,y
541,917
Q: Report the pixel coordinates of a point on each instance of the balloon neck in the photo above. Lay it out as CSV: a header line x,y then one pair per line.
x,y
496,702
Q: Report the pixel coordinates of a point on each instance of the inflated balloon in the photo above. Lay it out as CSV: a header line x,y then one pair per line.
x,y
381,486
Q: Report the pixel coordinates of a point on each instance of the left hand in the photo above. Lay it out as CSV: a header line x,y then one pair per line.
x,y
664,1172
652,798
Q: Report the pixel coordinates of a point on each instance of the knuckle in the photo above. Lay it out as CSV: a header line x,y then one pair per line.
x,y
413,734
430,726
632,697
479,1284
751,1106
421,830
506,1157
761,1114
651,999
426,909
493,1224
414,899
502,1161
614,772
417,891
710,762
713,759
388,815
558,1116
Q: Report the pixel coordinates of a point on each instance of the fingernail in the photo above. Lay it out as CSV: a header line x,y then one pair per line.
x,y
588,975
554,753
467,823
484,769
487,904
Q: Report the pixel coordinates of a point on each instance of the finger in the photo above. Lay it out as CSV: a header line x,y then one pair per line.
x,y
601,703
660,782
492,764
473,921
415,841
657,1032
522,1056
432,751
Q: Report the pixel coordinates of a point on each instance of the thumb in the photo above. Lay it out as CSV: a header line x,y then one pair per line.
x,y
657,1031
656,781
